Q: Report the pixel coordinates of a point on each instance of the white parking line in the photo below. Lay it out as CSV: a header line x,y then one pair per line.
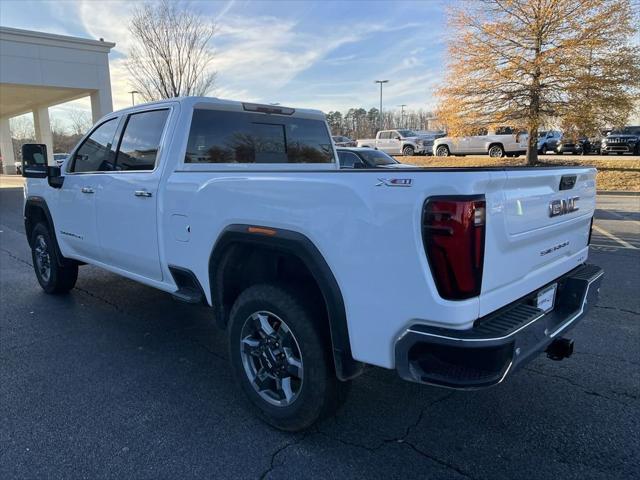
x,y
613,237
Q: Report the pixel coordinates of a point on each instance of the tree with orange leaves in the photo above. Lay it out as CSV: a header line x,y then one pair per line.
x,y
528,62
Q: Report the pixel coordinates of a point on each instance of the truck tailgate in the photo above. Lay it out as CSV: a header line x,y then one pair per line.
x,y
537,230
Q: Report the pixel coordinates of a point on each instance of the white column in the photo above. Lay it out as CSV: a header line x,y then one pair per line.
x,y
43,131
100,104
6,147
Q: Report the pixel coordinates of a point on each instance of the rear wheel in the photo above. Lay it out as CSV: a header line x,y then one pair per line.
x,y
496,151
442,151
281,357
542,150
408,151
53,277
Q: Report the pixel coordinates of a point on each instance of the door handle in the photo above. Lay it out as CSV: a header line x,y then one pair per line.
x,y
142,193
87,190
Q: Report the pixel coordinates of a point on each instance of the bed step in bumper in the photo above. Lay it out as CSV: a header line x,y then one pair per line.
x,y
499,343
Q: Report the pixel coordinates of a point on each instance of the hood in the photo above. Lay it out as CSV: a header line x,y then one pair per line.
x,y
621,135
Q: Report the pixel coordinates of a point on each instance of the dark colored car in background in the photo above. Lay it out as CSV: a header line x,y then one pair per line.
x,y
568,145
591,145
623,140
341,141
364,157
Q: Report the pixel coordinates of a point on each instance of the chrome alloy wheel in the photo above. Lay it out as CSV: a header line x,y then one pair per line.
x,y
42,257
271,358
442,151
496,152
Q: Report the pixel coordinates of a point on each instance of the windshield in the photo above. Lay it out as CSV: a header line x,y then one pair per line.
x,y
542,134
377,158
407,133
627,131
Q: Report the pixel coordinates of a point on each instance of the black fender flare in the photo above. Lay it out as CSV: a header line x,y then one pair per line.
x,y
297,244
37,202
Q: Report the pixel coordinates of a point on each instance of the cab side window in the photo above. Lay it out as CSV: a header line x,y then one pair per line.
x,y
140,141
94,153
348,159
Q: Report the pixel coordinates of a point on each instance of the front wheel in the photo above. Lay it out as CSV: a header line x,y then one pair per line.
x,y
52,277
281,357
442,151
408,151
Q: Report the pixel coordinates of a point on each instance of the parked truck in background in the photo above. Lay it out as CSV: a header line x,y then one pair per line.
x,y
399,142
452,277
500,142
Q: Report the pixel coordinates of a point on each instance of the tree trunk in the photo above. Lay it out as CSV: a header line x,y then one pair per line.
x,y
532,146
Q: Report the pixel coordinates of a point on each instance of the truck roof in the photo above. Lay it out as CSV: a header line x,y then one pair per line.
x,y
213,102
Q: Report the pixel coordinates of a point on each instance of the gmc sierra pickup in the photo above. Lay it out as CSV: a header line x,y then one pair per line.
x,y
399,142
452,277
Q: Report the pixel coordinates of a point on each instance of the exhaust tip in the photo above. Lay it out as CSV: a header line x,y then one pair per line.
x,y
559,349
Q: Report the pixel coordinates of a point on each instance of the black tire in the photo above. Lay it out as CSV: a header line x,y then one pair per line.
x,y
442,151
542,150
319,393
408,151
52,277
496,151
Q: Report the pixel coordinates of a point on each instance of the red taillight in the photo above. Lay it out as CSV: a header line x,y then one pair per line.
x,y
454,242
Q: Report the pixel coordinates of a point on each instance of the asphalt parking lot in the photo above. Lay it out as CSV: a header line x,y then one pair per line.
x,y
117,380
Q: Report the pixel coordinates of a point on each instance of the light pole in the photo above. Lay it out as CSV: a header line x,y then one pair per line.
x,y
133,98
381,82
402,115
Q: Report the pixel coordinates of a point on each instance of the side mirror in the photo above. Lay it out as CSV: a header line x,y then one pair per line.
x,y
34,165
34,160
398,137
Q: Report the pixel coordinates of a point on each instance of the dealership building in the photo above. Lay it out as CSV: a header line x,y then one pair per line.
x,y
39,70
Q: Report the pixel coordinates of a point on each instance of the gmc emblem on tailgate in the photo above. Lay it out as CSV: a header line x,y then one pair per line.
x,y
563,206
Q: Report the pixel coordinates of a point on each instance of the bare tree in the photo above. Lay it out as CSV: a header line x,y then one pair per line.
x,y
79,120
22,127
170,55
528,62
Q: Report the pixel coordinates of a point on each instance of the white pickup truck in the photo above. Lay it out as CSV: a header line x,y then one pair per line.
x,y
495,143
452,277
399,142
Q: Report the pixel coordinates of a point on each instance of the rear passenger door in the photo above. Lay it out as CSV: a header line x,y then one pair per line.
x,y
126,204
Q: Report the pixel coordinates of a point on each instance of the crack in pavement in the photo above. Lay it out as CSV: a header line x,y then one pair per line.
x,y
583,388
623,310
609,357
403,439
8,252
80,289
281,449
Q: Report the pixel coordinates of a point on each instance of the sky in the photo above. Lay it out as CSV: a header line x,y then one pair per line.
x,y
314,54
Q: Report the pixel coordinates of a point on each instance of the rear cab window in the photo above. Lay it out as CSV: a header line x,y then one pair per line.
x,y
140,141
232,137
